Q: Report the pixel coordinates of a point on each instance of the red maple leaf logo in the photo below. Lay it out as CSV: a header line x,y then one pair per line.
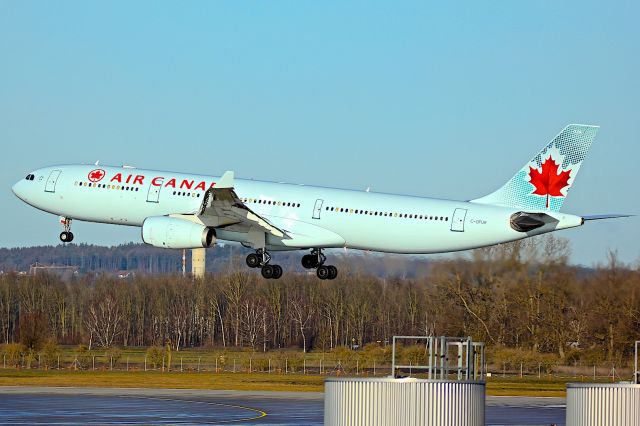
x,y
96,175
547,181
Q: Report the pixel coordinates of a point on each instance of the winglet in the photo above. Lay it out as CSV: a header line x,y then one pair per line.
x,y
226,180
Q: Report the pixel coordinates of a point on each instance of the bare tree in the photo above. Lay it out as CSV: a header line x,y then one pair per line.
x,y
301,312
252,312
234,291
104,320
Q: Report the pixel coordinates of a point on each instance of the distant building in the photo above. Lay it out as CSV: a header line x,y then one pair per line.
x,y
65,272
123,275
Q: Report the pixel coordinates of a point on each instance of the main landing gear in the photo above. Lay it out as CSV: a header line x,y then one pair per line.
x,y
316,260
260,259
66,236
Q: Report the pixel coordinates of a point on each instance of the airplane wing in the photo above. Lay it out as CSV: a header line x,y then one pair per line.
x,y
605,216
222,208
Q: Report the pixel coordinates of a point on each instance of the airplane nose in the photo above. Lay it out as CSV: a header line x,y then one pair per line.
x,y
18,189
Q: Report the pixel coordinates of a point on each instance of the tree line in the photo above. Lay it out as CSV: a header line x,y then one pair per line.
x,y
521,297
148,260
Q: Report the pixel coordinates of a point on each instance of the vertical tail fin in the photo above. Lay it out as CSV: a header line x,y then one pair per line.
x,y
544,182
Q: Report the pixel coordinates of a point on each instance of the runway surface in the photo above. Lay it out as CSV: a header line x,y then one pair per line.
x,y
48,405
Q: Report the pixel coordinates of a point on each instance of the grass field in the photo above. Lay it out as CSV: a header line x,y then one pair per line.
x,y
154,379
284,370
503,386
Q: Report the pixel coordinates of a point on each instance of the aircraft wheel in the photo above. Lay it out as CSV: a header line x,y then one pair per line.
x,y
277,272
66,237
253,260
309,261
333,272
267,271
322,272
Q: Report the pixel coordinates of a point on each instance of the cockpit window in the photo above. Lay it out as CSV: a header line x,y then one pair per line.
x,y
30,177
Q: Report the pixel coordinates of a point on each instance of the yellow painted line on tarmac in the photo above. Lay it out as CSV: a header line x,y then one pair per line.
x,y
260,413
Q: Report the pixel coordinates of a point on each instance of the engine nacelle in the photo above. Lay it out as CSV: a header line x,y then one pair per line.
x,y
175,233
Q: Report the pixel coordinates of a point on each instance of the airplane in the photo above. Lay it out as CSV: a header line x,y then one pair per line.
x,y
185,211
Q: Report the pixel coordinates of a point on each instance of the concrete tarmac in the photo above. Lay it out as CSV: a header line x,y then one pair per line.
x,y
108,406
524,410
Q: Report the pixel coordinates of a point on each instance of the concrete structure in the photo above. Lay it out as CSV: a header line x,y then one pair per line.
x,y
198,260
603,404
64,272
453,392
408,401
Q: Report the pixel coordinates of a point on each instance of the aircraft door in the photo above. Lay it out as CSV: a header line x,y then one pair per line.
x,y
457,221
153,196
50,186
317,208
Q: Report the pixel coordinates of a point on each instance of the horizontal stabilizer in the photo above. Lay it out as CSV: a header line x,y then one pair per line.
x,y
605,216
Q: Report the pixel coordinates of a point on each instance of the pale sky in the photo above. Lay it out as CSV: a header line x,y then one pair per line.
x,y
442,100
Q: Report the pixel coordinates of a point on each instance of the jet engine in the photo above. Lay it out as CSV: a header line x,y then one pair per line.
x,y
175,233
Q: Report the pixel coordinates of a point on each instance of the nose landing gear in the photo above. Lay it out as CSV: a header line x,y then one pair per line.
x,y
66,236
260,259
316,260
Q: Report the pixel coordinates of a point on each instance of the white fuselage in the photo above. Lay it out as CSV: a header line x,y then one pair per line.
x,y
314,217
